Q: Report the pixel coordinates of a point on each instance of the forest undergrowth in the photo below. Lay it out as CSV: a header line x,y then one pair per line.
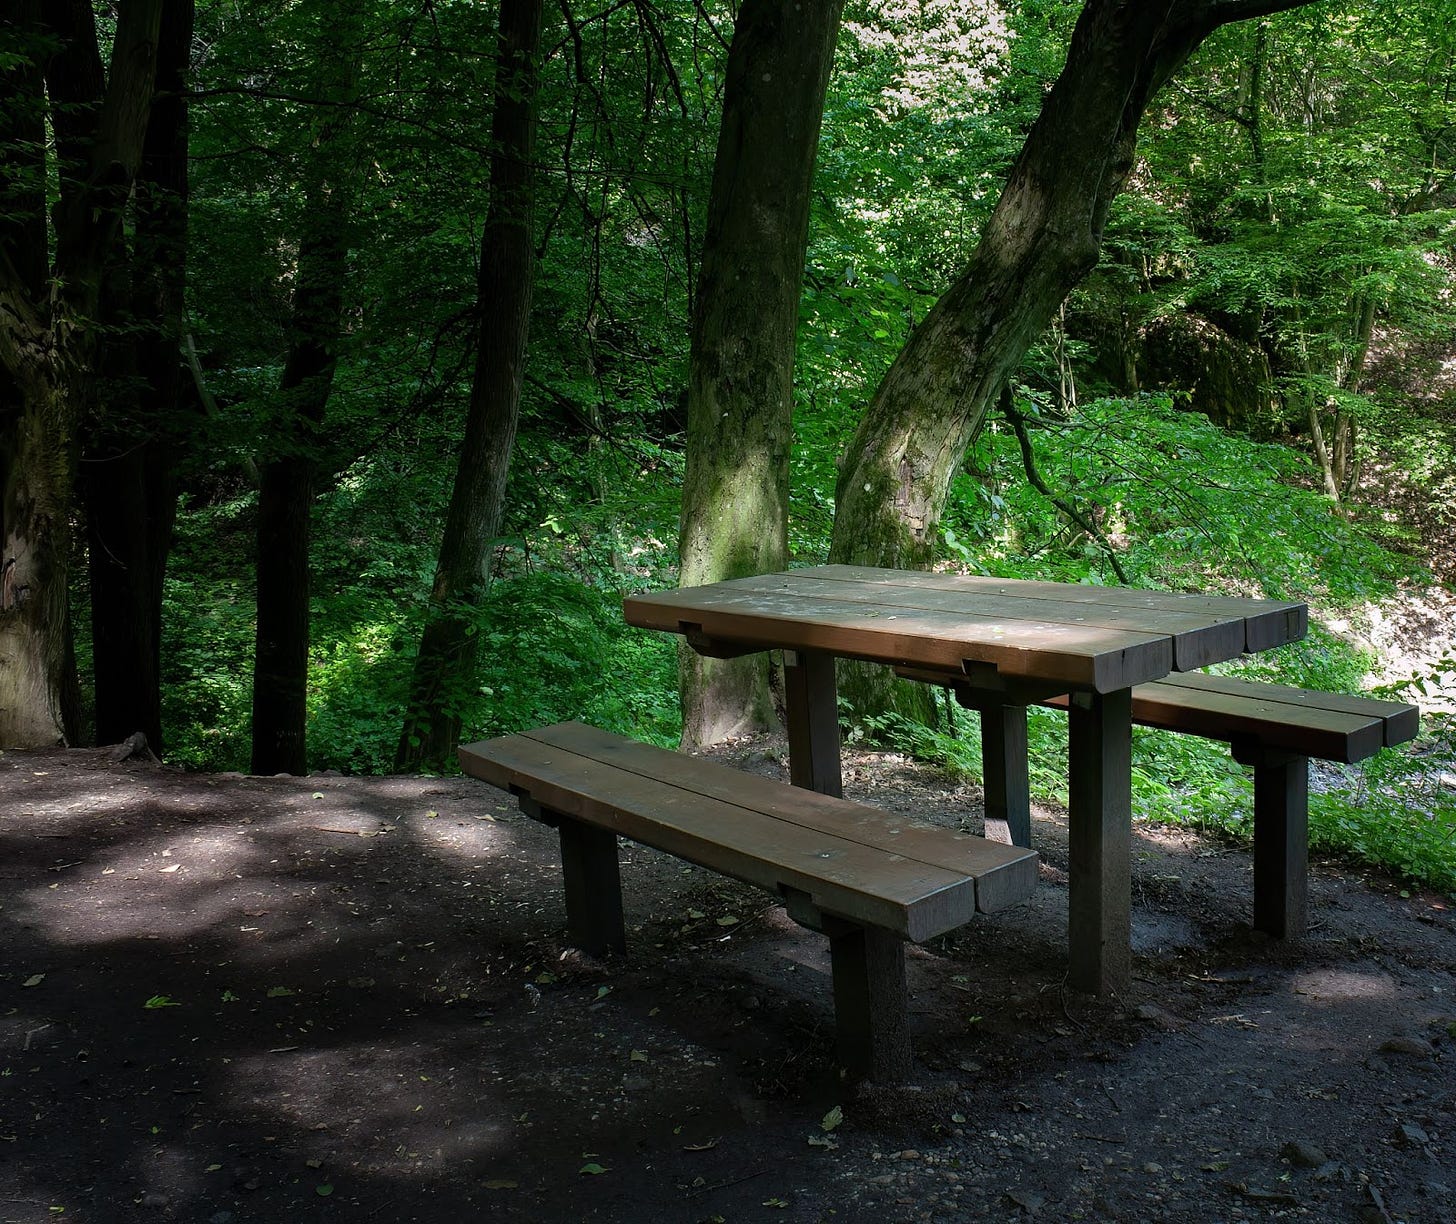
x,y
1183,505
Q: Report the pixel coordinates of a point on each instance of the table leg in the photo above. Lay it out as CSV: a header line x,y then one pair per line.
x,y
812,702
1099,915
1003,767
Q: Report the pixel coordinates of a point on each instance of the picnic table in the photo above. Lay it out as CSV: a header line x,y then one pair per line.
x,y
1004,644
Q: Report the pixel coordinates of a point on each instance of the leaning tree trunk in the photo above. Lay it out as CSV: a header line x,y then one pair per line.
x,y
128,472
48,342
740,390
445,664
1042,238
286,479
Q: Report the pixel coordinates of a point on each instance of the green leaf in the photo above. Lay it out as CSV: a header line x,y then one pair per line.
x,y
592,1167
35,979
324,1190
832,1119
157,1001
279,992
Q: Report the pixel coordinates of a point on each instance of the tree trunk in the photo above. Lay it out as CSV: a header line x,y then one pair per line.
x,y
444,668
48,341
1042,238
39,702
740,391
128,471
286,486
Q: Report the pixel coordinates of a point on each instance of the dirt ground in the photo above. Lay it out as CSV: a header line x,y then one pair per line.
x,y
228,999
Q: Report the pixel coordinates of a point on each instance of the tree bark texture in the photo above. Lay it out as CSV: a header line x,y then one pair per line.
x,y
1043,236
444,668
48,339
740,391
127,471
287,477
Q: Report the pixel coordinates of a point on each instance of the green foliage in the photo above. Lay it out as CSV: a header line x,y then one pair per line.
x,y
555,649
1187,505
928,107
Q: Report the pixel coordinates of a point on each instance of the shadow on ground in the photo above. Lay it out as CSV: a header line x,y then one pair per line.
x,y
232,999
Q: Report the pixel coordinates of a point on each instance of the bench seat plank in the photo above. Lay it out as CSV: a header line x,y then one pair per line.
x,y
718,821
1002,876
1332,727
1398,721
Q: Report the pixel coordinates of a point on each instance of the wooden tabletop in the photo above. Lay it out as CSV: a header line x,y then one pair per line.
x,y
1089,637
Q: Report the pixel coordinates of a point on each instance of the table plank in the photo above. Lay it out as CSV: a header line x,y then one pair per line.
x,y
1199,637
1268,622
1081,656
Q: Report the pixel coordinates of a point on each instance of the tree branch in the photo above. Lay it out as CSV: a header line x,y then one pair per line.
x,y
1222,12
1028,462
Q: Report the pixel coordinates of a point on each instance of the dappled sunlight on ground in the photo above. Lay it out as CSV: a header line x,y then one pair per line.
x,y
327,998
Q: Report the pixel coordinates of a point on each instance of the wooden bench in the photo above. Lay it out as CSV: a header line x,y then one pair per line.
x,y
866,879
1272,728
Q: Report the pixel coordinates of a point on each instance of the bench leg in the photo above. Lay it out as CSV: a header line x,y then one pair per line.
x,y
593,888
870,1003
812,705
1003,767
1281,846
1099,907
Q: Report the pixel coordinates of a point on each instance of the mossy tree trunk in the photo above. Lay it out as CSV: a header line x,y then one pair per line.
x,y
445,664
1043,236
740,392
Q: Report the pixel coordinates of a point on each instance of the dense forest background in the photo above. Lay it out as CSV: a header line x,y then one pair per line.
x,y
269,269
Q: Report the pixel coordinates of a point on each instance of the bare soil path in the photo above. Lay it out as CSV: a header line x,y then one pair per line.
x,y
228,999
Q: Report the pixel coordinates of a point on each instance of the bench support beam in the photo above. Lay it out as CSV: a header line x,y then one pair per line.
x,y
1281,841
593,887
870,1002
